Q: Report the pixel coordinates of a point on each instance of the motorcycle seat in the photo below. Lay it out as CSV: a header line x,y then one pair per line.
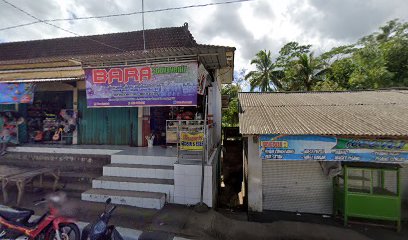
x,y
15,214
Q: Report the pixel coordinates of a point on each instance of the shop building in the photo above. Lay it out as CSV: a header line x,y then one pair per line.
x,y
295,143
123,89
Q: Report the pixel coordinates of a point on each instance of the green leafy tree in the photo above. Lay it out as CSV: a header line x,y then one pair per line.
x,y
266,77
306,72
378,60
340,72
289,52
230,115
396,57
370,69
327,85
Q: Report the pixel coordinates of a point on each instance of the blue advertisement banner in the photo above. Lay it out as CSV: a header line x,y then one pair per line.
x,y
153,85
12,93
327,148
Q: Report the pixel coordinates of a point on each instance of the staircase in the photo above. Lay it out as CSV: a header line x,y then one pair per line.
x,y
135,180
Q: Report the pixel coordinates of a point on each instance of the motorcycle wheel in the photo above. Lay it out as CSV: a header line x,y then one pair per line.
x,y
68,231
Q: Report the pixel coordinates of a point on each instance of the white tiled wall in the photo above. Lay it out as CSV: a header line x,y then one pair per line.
x,y
126,200
138,172
135,186
145,160
187,184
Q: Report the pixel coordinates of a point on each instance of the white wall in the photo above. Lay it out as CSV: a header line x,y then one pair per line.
x,y
187,184
254,177
214,108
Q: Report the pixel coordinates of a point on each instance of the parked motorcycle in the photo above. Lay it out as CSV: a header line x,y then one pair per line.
x,y
99,230
15,224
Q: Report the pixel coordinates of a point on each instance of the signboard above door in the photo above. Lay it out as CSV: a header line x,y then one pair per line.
x,y
328,148
132,86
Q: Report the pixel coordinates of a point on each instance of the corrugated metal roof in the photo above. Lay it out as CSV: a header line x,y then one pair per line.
x,y
212,57
99,44
22,76
376,113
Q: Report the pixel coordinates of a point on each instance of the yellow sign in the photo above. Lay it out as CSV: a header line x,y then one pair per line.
x,y
191,141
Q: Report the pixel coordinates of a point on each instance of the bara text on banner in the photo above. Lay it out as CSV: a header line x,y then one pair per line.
x,y
153,85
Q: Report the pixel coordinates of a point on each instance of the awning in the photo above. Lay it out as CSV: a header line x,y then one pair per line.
x,y
41,76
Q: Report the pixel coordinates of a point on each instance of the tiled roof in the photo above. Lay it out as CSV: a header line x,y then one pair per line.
x,y
73,46
375,113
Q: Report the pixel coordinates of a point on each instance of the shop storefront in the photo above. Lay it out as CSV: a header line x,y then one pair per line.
x,y
99,95
112,106
327,153
169,95
165,91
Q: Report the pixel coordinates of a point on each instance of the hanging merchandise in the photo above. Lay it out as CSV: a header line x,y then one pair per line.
x,y
69,118
51,119
9,128
202,79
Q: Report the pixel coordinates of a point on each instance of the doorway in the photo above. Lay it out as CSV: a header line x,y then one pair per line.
x,y
158,117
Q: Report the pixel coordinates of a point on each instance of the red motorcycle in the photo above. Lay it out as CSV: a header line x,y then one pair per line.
x,y
15,224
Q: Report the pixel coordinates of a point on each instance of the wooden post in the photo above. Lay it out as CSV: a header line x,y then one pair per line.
x,y
75,108
345,195
4,189
20,187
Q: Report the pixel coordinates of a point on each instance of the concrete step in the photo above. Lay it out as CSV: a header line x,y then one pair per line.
x,y
65,162
137,184
80,176
75,177
63,185
146,160
130,198
139,171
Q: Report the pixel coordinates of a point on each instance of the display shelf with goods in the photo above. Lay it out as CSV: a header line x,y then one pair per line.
x,y
174,127
49,125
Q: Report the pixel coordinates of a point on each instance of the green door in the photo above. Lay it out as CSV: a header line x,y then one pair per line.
x,y
111,126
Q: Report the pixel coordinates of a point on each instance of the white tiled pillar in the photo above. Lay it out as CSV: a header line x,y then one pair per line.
x,y
254,176
187,184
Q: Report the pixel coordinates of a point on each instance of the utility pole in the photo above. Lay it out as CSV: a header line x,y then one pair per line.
x,y
144,39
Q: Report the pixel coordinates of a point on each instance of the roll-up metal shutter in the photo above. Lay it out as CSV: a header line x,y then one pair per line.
x,y
296,186
301,186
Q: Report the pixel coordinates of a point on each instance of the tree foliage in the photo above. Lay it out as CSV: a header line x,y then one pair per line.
x,y
230,115
378,60
265,78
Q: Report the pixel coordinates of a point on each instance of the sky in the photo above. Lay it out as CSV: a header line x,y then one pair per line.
x,y
248,26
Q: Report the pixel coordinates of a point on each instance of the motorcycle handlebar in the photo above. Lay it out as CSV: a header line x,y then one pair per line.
x,y
39,201
111,210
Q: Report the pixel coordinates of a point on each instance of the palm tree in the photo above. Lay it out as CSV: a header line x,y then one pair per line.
x,y
309,70
265,77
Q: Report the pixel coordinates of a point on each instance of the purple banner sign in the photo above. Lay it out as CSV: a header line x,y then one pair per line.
x,y
155,85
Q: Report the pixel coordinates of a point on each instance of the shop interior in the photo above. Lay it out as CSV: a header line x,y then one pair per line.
x,y
51,118
166,121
